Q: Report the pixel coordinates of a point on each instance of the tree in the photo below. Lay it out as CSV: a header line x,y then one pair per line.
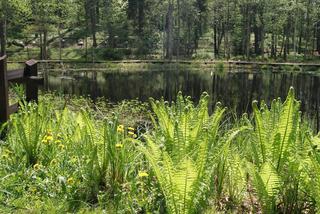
x,y
3,22
246,28
92,11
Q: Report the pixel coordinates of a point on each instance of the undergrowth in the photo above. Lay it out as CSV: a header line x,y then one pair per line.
x,y
73,155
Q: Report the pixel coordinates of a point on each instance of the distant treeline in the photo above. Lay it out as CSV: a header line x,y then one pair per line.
x,y
166,28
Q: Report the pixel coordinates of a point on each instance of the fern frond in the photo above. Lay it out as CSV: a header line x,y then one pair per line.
x,y
287,128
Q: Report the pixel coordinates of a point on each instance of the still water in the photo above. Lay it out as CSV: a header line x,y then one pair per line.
x,y
235,89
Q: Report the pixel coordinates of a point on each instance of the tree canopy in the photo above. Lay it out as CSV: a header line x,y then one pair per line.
x,y
168,28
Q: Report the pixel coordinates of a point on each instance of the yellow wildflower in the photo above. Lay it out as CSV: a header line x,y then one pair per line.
x,y
61,146
37,167
70,181
53,162
45,141
7,151
57,142
120,128
119,145
131,133
5,156
49,138
143,174
131,129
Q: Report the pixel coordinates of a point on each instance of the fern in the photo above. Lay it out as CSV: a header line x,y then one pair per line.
x,y
274,149
312,171
267,183
275,131
179,150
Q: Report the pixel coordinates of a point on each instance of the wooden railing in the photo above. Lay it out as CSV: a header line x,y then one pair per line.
x,y
28,76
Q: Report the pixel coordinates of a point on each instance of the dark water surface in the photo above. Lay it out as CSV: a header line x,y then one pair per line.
x,y
236,89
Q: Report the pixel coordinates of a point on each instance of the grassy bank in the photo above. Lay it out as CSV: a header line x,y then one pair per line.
x,y
70,155
156,65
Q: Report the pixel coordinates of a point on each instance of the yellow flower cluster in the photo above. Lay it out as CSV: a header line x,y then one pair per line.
x,y
120,129
143,174
48,138
132,134
37,167
61,146
70,181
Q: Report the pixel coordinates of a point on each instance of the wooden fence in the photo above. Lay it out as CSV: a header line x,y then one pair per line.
x,y
28,76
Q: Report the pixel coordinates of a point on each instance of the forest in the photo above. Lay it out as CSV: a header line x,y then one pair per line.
x,y
148,29
160,106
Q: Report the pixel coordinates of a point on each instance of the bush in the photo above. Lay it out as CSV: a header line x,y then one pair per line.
x,y
115,54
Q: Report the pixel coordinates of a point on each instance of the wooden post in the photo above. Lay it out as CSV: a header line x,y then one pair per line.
x,y
4,99
31,74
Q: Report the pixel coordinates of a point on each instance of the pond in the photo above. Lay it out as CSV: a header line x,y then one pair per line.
x,y
235,89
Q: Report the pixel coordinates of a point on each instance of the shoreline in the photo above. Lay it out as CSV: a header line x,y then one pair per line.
x,y
188,62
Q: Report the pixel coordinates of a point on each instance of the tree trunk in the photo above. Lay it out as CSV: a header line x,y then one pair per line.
x,y
179,25
91,16
273,46
227,29
257,40
286,50
86,41
3,36
141,17
262,40
261,30
41,46
169,31
93,31
246,30
60,41
300,43
45,41
307,32
215,38
318,37
247,37
308,29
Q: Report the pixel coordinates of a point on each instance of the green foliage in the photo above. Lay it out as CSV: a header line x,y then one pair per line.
x,y
220,67
181,149
66,153
200,28
28,131
278,147
276,131
115,54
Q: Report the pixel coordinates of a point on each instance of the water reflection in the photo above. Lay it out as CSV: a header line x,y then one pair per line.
x,y
235,89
